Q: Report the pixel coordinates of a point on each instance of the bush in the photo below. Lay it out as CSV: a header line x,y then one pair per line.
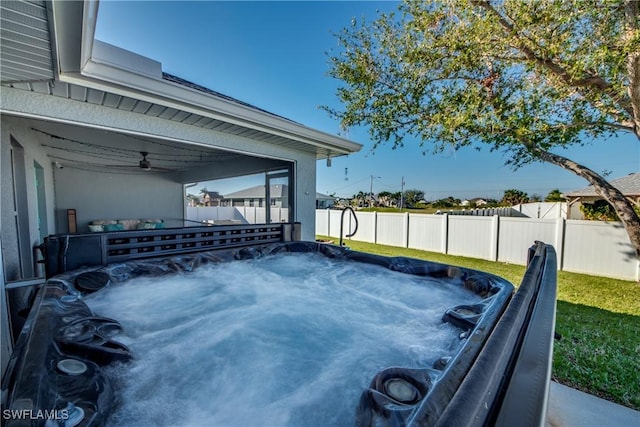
x,y
601,210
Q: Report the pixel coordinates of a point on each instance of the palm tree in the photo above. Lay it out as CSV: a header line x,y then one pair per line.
x,y
514,197
554,196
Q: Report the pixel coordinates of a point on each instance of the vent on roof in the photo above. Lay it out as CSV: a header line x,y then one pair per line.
x,y
105,53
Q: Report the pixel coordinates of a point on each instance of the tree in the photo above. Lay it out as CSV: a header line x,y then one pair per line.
x,y
524,77
598,211
385,198
514,197
413,197
554,196
359,199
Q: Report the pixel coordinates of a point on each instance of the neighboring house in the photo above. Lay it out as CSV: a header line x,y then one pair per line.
x,y
475,202
91,131
364,200
255,196
628,185
211,198
324,202
387,201
278,194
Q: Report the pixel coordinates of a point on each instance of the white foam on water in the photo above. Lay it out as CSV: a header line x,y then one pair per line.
x,y
288,340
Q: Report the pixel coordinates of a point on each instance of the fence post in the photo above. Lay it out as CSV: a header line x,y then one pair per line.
x,y
375,227
406,230
495,237
328,222
559,243
445,233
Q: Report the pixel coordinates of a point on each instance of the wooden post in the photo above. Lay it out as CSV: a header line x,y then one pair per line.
x,y
72,223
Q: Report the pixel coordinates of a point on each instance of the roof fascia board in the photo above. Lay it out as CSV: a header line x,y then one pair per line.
x,y
89,20
67,34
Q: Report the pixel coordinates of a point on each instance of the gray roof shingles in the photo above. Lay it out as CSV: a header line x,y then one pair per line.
x,y
182,82
629,186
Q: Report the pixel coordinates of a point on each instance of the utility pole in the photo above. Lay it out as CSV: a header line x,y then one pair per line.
x,y
371,190
402,195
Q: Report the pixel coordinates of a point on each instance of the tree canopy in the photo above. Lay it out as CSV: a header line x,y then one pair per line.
x,y
555,195
413,197
521,77
514,197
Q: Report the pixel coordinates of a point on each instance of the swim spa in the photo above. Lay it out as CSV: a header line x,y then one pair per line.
x,y
291,333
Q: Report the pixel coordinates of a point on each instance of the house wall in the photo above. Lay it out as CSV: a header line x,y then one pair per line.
x,y
97,195
16,128
14,301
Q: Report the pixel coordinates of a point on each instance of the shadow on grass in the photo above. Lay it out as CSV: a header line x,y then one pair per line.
x,y
599,352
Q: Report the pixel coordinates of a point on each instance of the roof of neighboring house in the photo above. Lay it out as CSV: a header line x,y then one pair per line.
x,y
276,190
629,186
320,196
257,192
212,194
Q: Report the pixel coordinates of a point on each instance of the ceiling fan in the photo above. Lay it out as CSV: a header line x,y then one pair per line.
x,y
144,164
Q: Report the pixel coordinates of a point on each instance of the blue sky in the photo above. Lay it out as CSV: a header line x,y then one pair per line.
x,y
274,56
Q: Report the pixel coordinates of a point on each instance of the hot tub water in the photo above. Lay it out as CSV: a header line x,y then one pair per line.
x,y
290,339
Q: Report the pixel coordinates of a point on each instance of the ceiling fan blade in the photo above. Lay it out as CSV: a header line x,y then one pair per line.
x,y
138,168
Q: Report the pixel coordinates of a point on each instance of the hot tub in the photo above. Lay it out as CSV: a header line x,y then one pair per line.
x,y
491,365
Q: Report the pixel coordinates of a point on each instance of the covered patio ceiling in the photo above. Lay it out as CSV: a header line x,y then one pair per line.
x,y
85,148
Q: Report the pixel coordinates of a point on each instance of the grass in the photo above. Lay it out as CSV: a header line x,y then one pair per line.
x,y
598,319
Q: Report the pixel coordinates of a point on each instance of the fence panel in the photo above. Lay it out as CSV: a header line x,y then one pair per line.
x,y
200,214
516,235
391,229
213,213
260,215
366,227
471,236
322,222
599,248
279,214
543,210
428,232
588,247
334,223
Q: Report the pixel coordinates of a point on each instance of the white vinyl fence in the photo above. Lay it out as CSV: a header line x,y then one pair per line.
x,y
591,247
239,214
542,210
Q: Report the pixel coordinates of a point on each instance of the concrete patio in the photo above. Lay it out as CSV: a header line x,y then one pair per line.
x,y
572,408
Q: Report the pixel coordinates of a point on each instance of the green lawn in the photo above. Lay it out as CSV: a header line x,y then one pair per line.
x,y
597,317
